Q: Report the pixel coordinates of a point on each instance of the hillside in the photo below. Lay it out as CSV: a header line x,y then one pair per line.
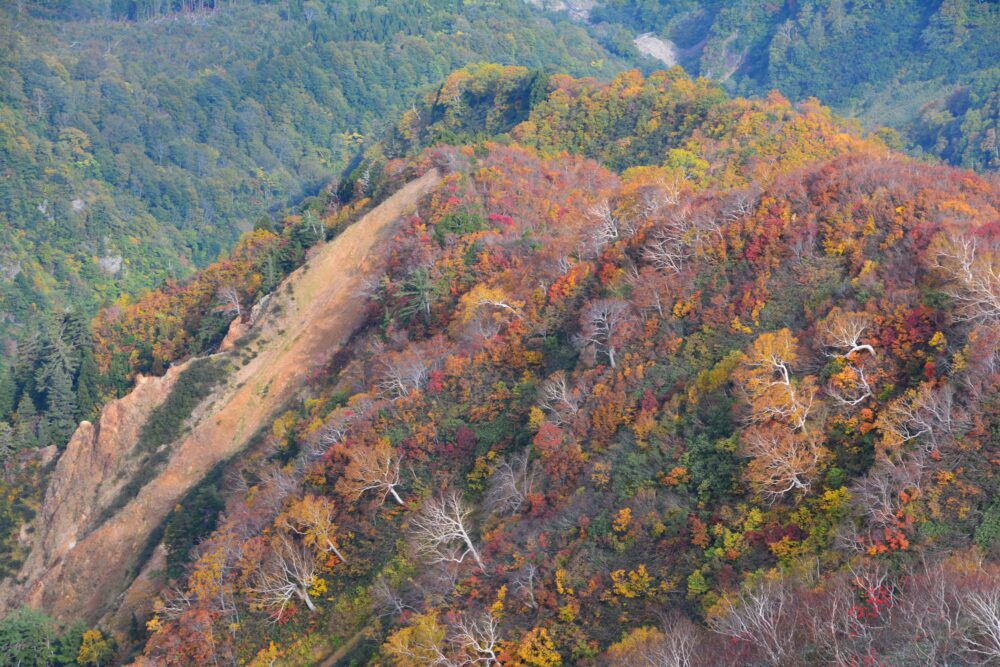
x,y
89,514
191,156
654,373
927,69
135,151
499,333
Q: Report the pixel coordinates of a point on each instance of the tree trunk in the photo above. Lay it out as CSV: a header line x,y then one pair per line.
x,y
334,549
304,596
475,554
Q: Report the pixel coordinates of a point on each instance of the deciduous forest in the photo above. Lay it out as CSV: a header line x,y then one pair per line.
x,y
656,368
926,69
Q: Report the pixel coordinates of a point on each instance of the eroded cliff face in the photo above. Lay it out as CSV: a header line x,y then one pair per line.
x,y
86,550
96,464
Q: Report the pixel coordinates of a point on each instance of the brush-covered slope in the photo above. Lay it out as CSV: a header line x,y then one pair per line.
x,y
735,404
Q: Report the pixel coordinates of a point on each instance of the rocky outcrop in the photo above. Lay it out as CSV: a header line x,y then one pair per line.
x,y
237,329
663,50
87,478
85,550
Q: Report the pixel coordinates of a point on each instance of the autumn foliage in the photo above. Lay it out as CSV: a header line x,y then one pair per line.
x,y
753,380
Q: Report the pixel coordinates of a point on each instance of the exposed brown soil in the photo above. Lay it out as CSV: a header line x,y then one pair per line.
x,y
314,313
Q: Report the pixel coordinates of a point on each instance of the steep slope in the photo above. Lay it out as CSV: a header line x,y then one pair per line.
x,y
754,367
90,474
82,560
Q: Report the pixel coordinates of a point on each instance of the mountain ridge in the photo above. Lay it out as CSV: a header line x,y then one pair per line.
x,y
62,575
623,364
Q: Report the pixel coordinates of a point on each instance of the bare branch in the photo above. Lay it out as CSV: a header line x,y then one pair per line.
x,y
374,469
477,640
288,572
974,266
783,461
440,533
524,583
510,484
230,298
403,373
843,332
601,323
762,615
560,402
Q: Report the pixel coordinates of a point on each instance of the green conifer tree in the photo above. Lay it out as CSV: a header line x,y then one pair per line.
x,y
61,409
8,393
25,423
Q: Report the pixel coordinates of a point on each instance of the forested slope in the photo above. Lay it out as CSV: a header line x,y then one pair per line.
x,y
139,141
928,69
652,372
133,151
727,393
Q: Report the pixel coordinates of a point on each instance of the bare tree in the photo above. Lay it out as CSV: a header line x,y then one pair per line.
x,y
334,431
493,299
336,428
948,613
524,583
846,618
560,402
477,640
981,611
607,227
927,620
510,484
230,298
275,486
877,589
668,250
766,378
374,468
838,630
843,333
680,645
601,324
983,370
926,415
681,238
878,494
485,310
851,386
675,646
763,615
783,461
741,204
174,602
288,572
403,373
386,599
440,533
483,325
423,644
973,264
653,199
312,518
